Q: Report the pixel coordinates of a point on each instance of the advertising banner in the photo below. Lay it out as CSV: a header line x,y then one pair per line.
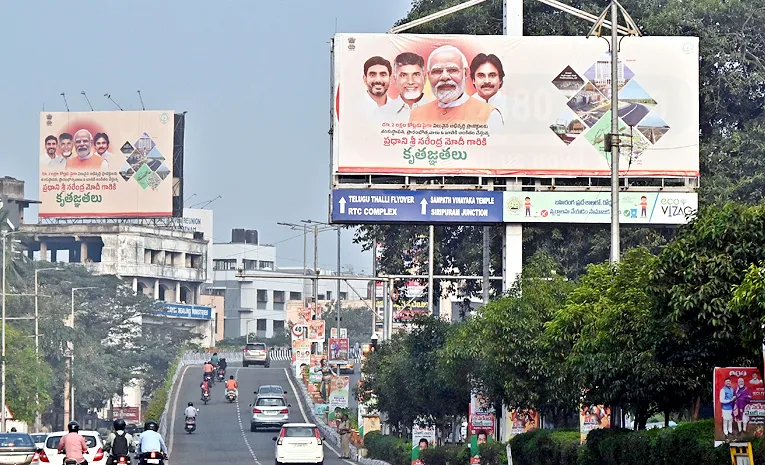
x,y
314,375
316,330
522,421
339,393
129,414
192,312
481,424
423,436
301,352
338,350
106,164
333,332
593,417
361,206
739,400
519,106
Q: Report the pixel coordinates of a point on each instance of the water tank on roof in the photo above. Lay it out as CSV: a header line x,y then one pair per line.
x,y
251,236
237,236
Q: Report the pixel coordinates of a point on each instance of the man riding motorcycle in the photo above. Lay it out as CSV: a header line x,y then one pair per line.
x,y
222,364
73,444
215,359
191,411
208,371
119,443
231,385
151,441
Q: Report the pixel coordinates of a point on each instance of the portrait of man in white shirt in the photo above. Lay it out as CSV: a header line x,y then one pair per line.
x,y
409,75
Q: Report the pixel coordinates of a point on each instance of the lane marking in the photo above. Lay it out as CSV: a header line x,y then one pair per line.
x,y
171,434
305,417
241,426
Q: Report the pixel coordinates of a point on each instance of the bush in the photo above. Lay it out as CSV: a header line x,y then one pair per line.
x,y
159,396
451,454
395,451
546,447
494,453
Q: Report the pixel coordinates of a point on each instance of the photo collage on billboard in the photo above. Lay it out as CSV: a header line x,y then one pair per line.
x,y
487,105
108,164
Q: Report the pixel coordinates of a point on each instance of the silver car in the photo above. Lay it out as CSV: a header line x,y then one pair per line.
x,y
17,449
255,353
269,411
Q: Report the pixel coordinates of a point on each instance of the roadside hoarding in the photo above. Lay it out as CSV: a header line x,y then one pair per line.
x,y
338,351
481,424
106,164
492,207
316,331
301,352
423,437
521,421
339,393
739,402
518,106
593,417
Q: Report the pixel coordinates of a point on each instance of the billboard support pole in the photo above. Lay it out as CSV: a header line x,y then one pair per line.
x,y
615,248
431,242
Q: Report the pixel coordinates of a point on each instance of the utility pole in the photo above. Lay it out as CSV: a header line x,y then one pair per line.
x,y
338,282
615,138
431,242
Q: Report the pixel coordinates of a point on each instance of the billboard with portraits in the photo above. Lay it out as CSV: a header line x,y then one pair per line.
x,y
106,164
409,104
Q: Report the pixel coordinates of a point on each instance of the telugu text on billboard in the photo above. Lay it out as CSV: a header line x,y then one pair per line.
x,y
106,164
533,106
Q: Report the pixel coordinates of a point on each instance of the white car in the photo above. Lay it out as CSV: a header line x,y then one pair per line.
x,y
299,443
39,439
95,454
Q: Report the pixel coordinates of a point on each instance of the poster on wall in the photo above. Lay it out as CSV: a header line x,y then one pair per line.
x,y
739,403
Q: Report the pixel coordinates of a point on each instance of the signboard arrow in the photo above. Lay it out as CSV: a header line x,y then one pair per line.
x,y
424,209
342,204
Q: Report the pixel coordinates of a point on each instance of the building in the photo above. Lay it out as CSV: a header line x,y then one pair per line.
x,y
12,202
257,303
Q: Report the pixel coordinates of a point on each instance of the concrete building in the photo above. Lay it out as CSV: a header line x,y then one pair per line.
x,y
258,303
12,202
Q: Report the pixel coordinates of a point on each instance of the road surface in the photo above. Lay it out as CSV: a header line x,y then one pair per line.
x,y
632,113
223,429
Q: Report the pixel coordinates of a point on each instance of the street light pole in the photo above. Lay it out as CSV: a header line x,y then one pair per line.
x,y
338,283
4,235
38,422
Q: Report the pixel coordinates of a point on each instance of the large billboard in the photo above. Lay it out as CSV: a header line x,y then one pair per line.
x,y
106,164
515,106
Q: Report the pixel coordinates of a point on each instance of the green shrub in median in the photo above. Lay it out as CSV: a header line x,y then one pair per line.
x,y
395,451
546,447
451,454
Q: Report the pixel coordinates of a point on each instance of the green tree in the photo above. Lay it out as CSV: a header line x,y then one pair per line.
x,y
357,320
606,332
503,348
24,376
694,280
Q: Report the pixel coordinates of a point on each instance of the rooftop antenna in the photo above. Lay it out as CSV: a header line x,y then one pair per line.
x,y
204,204
87,100
139,96
65,102
110,98
189,198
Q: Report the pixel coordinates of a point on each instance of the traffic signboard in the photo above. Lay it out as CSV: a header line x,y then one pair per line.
x,y
420,206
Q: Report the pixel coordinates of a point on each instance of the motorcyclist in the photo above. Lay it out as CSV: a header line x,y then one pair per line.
x,y
215,359
208,371
205,386
119,443
73,444
232,385
191,411
151,440
223,364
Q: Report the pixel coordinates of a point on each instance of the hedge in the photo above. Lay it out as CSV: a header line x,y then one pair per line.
x,y
159,397
450,454
395,451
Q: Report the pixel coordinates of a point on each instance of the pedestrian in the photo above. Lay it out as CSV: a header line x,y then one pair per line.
x,y
344,430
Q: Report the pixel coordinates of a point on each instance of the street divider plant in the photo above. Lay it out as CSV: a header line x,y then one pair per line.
x,y
390,449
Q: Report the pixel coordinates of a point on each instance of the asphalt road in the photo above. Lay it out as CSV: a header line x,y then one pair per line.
x,y
633,113
223,429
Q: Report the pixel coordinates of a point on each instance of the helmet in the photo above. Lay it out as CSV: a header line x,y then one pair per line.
x,y
215,353
119,424
73,426
191,404
151,425
231,377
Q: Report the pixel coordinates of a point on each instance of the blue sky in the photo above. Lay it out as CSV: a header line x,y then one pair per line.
x,y
253,76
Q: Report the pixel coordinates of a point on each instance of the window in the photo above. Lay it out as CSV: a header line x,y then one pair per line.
x,y
250,264
270,402
262,295
279,296
196,261
255,346
266,265
296,296
278,326
329,295
300,432
261,324
343,296
224,265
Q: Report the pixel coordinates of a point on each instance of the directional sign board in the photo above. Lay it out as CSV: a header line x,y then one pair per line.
x,y
425,206
363,206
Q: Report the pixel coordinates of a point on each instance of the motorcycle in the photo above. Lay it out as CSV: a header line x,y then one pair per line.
x,y
71,462
221,375
121,459
231,395
191,424
152,458
209,378
206,397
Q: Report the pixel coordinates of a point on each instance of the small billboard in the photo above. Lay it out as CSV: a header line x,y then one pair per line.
x,y
462,105
106,164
